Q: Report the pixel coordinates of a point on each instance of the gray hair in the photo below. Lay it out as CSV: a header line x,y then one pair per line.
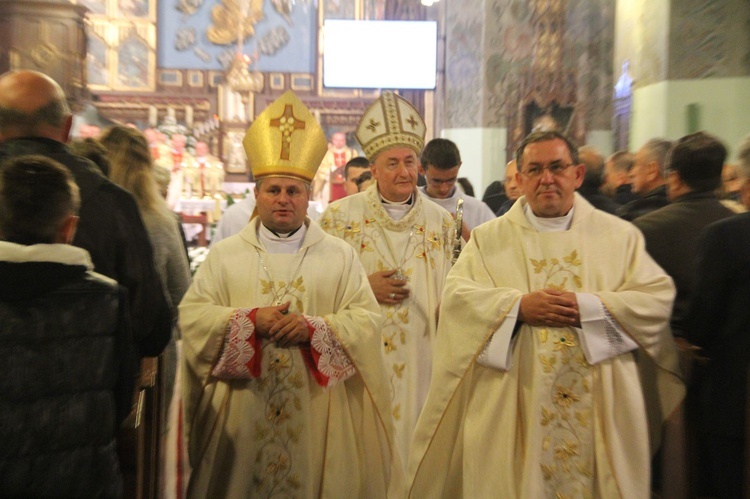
x,y
657,150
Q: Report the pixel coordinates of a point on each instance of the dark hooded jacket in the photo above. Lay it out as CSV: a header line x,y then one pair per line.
x,y
68,376
111,230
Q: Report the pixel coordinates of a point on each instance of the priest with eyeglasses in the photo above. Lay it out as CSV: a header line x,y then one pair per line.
x,y
554,365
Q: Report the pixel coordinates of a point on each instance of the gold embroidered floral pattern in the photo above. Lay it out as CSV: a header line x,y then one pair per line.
x,y
556,273
285,291
283,388
566,459
418,248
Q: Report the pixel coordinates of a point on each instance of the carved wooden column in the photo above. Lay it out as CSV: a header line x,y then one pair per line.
x,y
46,36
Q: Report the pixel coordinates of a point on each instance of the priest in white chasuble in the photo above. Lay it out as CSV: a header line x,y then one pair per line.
x,y
404,243
285,389
554,363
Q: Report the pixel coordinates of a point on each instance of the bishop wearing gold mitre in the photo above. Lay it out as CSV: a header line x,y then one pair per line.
x,y
285,389
404,243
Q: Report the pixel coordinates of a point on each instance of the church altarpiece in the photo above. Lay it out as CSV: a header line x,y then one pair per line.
x,y
141,71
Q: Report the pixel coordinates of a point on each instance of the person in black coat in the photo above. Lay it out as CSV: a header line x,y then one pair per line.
x,y
69,362
647,180
593,180
694,167
718,321
35,119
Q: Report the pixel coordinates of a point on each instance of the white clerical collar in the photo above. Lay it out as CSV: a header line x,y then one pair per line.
x,y
397,209
281,243
558,224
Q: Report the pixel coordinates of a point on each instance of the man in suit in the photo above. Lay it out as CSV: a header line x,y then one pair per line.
x,y
35,119
693,174
693,166
718,320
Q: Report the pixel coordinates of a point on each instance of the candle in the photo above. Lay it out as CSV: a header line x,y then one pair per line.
x,y
152,116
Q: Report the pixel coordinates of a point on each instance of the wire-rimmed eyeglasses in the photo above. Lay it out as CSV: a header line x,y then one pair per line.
x,y
555,168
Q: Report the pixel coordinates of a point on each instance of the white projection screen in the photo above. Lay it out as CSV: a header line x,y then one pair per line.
x,y
379,54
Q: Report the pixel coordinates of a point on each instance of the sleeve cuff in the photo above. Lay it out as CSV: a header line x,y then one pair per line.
x,y
325,357
600,335
496,353
240,354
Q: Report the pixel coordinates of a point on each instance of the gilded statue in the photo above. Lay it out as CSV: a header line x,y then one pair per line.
x,y
234,20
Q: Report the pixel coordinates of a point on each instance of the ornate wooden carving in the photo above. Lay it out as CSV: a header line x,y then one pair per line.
x,y
46,36
547,89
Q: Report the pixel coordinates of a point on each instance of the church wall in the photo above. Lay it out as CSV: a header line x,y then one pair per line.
x,y
601,139
464,74
508,51
661,109
490,49
683,53
590,41
709,39
482,154
641,38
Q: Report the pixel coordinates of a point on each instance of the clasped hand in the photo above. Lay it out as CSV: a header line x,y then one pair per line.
x,y
285,329
388,290
551,308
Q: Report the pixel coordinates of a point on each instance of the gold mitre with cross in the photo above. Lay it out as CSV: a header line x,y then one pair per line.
x,y
285,141
390,121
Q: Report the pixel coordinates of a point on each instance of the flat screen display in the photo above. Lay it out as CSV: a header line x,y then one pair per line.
x,y
379,54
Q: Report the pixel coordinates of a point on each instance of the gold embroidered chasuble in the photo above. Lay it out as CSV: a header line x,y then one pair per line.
x,y
281,434
418,245
553,425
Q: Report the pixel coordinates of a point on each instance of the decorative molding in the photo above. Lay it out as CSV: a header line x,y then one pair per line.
x,y
195,78
215,78
170,77
276,81
302,82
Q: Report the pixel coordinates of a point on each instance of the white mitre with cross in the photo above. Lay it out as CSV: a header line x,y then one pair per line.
x,y
390,121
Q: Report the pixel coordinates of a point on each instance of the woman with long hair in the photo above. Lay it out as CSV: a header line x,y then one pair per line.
x,y
132,168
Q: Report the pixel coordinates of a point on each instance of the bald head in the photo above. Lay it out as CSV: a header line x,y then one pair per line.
x,y
32,105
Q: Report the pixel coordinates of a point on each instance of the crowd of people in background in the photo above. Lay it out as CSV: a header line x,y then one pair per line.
x,y
591,338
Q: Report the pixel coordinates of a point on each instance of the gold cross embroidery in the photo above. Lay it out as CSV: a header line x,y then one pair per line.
x,y
373,125
287,124
412,121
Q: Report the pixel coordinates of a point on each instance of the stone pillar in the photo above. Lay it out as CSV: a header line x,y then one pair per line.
x,y
690,64
49,37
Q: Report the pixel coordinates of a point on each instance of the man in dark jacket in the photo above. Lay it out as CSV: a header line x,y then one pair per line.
x,y
593,180
693,167
616,182
647,180
35,119
718,320
65,342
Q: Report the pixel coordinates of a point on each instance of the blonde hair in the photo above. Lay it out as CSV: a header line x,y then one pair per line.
x,y
132,168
